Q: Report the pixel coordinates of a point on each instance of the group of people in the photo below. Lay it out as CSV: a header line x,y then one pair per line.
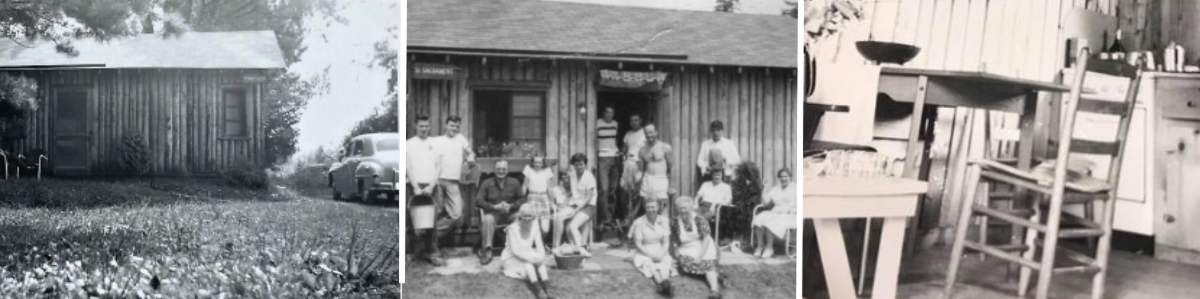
x,y
632,178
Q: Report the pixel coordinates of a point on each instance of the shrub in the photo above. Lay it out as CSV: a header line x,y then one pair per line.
x,y
246,175
309,178
135,158
747,193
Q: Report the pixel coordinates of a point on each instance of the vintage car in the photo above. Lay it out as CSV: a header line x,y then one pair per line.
x,y
369,168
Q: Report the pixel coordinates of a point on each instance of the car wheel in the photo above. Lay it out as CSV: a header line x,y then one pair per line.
x,y
363,194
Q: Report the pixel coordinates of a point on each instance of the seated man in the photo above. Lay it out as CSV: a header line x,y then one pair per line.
x,y
498,196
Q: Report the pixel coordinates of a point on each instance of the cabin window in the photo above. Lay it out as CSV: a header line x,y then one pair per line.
x,y
509,123
235,101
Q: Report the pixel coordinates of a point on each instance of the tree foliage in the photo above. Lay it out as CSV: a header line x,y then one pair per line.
x,y
386,118
726,6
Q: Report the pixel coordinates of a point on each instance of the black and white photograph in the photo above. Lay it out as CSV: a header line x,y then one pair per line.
x,y
1001,149
199,149
601,149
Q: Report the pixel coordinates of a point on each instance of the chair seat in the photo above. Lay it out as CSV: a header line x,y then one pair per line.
x,y
1083,184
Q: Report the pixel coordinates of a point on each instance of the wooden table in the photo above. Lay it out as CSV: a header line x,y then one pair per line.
x,y
966,89
828,200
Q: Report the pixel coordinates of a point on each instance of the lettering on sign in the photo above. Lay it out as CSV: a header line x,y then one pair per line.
x,y
650,81
437,71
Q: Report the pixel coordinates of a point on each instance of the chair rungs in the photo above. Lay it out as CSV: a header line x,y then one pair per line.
x,y
1090,269
1007,217
1080,232
993,251
1010,247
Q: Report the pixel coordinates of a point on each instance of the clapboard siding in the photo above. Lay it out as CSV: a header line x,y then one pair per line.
x,y
178,112
757,105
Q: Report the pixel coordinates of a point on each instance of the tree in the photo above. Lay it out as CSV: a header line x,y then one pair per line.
x,y
726,6
792,9
386,118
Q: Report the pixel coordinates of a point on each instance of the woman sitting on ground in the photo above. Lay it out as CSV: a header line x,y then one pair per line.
x,y
780,217
651,234
695,250
524,255
538,179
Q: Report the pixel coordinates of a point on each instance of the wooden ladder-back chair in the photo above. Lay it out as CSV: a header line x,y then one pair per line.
x,y
1042,221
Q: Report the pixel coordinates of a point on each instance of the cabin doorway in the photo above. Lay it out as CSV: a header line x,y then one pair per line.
x,y
625,104
70,148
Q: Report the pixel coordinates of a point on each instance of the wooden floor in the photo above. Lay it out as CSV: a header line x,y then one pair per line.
x,y
1131,276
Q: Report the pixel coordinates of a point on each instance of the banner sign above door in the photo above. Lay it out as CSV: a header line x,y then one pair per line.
x,y
646,81
437,71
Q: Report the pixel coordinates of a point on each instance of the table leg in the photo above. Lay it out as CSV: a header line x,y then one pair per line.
x,y
833,255
887,267
913,150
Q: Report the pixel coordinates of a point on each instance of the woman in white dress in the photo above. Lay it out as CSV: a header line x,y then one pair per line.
x,y
538,179
650,234
780,216
524,255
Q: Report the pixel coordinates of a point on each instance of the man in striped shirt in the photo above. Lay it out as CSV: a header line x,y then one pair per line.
x,y
607,153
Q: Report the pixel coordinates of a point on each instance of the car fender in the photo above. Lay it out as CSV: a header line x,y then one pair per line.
x,y
368,169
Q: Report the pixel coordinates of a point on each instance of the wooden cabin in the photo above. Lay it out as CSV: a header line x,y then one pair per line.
x,y
195,99
538,73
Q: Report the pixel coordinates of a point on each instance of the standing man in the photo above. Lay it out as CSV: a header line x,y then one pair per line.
x,y
453,150
717,152
607,153
655,165
421,172
498,196
634,139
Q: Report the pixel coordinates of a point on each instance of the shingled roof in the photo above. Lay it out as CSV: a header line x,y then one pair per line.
x,y
191,50
531,26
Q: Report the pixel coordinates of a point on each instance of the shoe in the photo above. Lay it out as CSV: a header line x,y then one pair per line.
x,y
436,261
584,252
759,252
486,258
714,295
667,290
768,253
538,291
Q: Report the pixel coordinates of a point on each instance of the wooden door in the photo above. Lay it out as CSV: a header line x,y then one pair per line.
x,y
69,153
1178,202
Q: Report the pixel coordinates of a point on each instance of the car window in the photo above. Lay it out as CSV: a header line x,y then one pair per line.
x,y
356,149
387,145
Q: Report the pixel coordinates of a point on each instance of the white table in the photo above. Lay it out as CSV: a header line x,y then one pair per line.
x,y
828,200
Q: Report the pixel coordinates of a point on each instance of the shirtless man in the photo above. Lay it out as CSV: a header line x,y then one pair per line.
x,y
655,165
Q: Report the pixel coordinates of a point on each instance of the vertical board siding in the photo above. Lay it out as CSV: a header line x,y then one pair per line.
x,y
177,112
754,105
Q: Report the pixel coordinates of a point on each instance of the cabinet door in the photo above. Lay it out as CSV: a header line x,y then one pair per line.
x,y
1178,199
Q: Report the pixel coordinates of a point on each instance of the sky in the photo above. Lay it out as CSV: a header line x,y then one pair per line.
x,y
771,7
355,88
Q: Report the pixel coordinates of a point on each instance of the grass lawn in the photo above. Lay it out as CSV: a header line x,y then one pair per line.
x,y
185,239
744,281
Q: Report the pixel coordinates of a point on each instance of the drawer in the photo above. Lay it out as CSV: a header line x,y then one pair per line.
x,y
1179,98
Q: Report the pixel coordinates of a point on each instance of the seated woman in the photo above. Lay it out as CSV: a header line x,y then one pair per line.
x,y
560,195
524,255
650,234
695,250
714,192
780,201
582,206
538,179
